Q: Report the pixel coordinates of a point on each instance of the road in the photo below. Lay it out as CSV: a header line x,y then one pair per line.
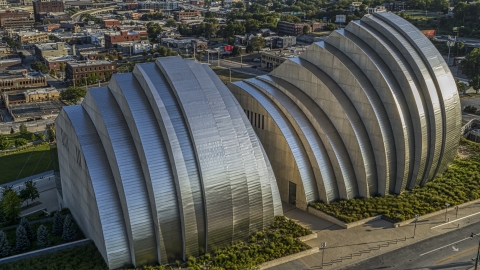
x,y
454,250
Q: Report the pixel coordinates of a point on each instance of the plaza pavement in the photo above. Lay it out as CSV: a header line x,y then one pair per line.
x,y
346,247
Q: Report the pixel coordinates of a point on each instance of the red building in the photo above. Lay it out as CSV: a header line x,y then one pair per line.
x,y
122,36
15,19
40,9
110,23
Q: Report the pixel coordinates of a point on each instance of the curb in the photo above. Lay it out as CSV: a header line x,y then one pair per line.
x,y
338,222
307,237
288,258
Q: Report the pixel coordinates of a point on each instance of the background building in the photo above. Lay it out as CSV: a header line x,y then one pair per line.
x,y
22,79
122,36
76,72
15,19
152,172
41,8
371,110
58,49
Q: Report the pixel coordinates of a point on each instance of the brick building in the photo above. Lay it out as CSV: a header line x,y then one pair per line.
x,y
40,9
122,36
77,71
110,23
56,62
47,27
180,15
14,19
22,79
198,3
295,29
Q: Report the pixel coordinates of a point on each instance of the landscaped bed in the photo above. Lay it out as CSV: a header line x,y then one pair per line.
x,y
278,240
459,184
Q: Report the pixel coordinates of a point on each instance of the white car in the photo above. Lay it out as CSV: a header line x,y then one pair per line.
x,y
256,60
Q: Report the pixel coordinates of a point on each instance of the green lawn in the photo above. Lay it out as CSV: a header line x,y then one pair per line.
x,y
24,163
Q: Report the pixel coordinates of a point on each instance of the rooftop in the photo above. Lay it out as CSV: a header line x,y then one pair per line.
x,y
90,63
30,33
60,58
51,46
11,75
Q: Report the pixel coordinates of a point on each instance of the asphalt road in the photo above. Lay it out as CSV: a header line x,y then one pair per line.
x,y
453,250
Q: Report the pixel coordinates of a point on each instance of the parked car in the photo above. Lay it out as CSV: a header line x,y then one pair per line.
x,y
254,66
256,60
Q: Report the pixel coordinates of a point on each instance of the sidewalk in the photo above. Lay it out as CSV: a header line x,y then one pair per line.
x,y
346,247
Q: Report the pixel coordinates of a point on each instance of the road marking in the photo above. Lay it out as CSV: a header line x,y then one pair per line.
x,y
466,238
454,220
449,258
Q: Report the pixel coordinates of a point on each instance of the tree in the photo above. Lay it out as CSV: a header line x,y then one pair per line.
x,y
73,94
470,66
33,137
257,43
28,228
20,142
69,233
30,192
23,129
306,29
461,86
439,5
57,228
4,142
144,53
170,23
41,67
11,204
163,51
4,246
22,243
22,56
41,137
237,50
42,237
12,130
51,135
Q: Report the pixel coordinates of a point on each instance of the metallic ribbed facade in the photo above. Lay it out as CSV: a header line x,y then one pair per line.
x,y
163,164
371,110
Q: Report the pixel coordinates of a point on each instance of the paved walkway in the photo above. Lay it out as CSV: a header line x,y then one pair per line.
x,y
346,247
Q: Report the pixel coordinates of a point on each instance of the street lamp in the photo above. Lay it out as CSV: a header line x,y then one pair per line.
x,y
446,210
324,245
478,250
415,226
456,211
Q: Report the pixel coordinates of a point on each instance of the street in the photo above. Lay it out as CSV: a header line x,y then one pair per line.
x,y
454,250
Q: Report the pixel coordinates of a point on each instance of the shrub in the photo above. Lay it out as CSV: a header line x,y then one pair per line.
x,y
57,224
22,242
42,237
4,246
470,109
69,231
24,223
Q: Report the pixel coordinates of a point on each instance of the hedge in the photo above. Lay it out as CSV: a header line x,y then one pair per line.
x,y
460,183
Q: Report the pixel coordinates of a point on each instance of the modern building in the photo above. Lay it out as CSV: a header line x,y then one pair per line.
x,y
185,14
163,164
371,110
41,8
122,36
76,71
58,49
14,80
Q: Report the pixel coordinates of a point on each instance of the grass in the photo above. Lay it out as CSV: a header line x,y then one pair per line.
x,y
81,257
459,184
24,163
224,75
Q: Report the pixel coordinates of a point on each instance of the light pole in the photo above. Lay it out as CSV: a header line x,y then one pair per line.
x,y
230,70
241,61
86,83
98,80
456,211
478,250
446,210
415,226
218,56
324,245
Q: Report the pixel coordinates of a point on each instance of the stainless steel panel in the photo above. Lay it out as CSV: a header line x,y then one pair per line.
x,y
155,162
107,117
104,223
405,76
427,87
316,152
444,82
182,157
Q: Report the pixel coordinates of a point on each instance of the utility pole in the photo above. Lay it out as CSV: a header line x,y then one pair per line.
x,y
230,69
324,245
415,226
446,210
478,250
